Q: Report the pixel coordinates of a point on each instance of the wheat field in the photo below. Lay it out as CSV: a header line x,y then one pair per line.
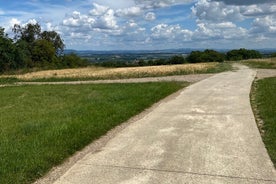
x,y
114,73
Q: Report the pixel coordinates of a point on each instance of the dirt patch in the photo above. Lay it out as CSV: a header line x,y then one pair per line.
x,y
265,73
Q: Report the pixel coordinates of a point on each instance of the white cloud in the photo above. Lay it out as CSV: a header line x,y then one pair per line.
x,y
14,21
245,2
264,25
98,19
224,30
151,4
170,32
150,16
216,11
129,12
98,10
258,10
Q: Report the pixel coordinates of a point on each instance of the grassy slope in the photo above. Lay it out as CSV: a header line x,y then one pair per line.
x,y
40,126
265,100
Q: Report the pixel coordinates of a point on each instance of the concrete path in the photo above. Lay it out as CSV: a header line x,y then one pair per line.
x,y
207,134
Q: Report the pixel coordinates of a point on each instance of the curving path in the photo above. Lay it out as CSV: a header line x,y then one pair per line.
x,y
205,135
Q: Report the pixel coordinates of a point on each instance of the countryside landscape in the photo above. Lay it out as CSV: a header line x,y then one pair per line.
x,y
137,92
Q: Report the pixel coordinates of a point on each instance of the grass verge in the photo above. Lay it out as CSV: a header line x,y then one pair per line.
x,y
8,80
263,98
269,63
40,126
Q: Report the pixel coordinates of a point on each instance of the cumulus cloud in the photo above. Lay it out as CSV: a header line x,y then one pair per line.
x,y
265,26
98,18
150,16
151,4
129,12
224,30
216,11
98,10
258,10
245,2
170,32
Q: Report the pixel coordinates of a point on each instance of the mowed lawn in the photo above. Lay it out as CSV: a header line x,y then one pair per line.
x,y
40,126
265,101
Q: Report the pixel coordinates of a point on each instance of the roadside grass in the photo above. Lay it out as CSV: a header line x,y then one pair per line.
x,y
8,80
41,126
269,63
263,98
97,73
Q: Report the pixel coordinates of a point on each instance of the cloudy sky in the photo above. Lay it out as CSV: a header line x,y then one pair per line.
x,y
149,24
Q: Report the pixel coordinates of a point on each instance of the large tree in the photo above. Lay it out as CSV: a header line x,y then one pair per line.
x,y
6,52
55,39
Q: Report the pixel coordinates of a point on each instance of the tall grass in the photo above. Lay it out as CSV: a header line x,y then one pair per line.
x,y
269,63
94,73
40,126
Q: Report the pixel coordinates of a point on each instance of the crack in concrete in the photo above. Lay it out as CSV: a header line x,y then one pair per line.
x,y
185,172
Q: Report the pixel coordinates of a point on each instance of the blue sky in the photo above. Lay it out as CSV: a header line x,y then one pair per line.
x,y
149,24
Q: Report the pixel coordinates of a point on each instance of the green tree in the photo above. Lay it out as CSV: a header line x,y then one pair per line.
x,y
242,53
55,39
177,60
43,53
206,56
29,33
6,52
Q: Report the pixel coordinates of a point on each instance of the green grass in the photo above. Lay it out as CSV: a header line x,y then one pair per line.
x,y
8,80
40,126
264,99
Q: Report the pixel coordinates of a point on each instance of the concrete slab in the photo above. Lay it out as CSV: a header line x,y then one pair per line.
x,y
207,134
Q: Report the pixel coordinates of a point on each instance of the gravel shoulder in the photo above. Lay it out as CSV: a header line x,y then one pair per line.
x,y
265,73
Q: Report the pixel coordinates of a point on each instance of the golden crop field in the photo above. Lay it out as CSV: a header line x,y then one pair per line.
x,y
126,72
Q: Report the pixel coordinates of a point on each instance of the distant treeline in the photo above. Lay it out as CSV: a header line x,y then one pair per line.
x,y
194,57
33,48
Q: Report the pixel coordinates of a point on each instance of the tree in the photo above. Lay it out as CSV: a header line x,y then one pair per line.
x,y
242,54
177,60
29,33
206,56
55,39
43,53
6,52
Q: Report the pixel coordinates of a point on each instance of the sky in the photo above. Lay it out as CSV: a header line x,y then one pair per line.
x,y
149,24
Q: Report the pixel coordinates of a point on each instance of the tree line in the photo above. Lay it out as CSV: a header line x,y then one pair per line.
x,y
194,57
31,47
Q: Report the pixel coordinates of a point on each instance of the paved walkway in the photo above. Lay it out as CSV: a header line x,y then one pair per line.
x,y
207,134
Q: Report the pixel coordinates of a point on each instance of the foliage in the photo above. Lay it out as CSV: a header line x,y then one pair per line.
x,y
43,125
265,100
242,54
73,61
205,56
33,48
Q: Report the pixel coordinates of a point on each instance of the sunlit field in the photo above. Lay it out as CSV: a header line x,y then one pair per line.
x,y
126,72
268,63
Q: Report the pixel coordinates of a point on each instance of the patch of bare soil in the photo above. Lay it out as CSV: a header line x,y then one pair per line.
x,y
265,73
